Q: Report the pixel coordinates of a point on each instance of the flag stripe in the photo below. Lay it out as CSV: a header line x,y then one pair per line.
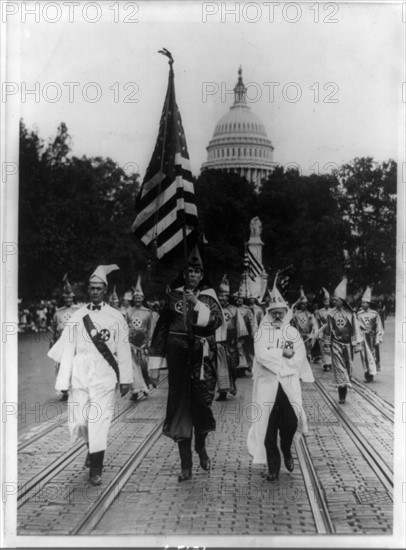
x,y
165,205
152,219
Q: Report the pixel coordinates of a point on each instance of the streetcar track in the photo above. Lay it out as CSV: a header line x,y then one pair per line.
x,y
318,505
56,466
384,408
101,505
382,471
43,432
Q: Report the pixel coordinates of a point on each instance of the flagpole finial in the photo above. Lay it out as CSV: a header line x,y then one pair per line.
x,y
168,54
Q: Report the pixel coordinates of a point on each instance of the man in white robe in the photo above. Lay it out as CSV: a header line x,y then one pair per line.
x,y
279,364
94,355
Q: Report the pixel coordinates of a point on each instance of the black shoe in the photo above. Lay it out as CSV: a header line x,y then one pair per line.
x,y
369,378
87,461
64,396
185,474
342,394
95,479
272,477
289,463
205,461
222,397
325,368
134,397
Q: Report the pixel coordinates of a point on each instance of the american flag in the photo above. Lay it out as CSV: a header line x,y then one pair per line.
x,y
165,205
252,265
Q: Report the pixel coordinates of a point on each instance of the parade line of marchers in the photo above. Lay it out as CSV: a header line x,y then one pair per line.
x,y
198,336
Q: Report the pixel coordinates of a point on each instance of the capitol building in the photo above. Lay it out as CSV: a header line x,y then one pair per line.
x,y
240,143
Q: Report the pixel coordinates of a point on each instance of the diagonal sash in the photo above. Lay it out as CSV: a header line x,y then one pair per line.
x,y
100,345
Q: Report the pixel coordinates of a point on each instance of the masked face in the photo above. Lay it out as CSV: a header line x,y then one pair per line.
x,y
338,302
223,299
365,305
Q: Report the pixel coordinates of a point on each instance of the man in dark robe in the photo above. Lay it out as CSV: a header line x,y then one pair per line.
x,y
185,345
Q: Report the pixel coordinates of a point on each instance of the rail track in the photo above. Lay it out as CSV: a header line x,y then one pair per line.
x,y
56,466
318,504
382,470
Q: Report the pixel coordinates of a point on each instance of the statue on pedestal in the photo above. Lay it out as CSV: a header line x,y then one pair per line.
x,y
256,229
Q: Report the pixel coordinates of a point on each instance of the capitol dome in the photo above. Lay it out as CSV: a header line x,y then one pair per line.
x,y
240,142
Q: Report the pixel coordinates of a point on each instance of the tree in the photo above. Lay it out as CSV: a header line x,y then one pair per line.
x,y
74,214
366,198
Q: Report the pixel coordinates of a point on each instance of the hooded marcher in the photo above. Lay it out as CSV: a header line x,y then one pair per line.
x,y
184,343
113,299
342,338
321,318
247,342
229,357
372,329
95,356
280,363
305,322
139,319
61,317
126,302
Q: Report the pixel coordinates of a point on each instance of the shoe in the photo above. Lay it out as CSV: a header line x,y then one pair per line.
x,y
289,463
134,397
222,397
325,368
342,394
369,378
205,461
95,479
185,474
64,396
87,461
272,476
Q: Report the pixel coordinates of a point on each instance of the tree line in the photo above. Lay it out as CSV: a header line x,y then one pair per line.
x,y
76,213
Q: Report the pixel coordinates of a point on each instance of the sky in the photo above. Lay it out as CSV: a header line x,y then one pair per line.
x,y
336,76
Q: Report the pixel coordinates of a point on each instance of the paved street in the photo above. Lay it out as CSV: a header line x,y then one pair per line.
x,y
355,478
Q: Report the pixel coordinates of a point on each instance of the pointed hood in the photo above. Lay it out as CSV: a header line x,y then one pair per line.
x,y
276,299
137,289
100,273
114,296
341,290
302,298
367,296
325,293
224,287
195,259
67,289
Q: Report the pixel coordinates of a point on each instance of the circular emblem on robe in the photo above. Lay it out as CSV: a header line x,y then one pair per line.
x,y
340,322
136,322
367,321
227,316
302,319
105,334
179,306
67,316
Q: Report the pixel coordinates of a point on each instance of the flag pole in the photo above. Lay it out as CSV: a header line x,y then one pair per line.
x,y
168,54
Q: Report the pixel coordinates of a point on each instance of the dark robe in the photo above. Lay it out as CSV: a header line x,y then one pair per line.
x,y
190,353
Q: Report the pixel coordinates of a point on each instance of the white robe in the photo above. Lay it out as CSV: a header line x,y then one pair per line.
x,y
270,369
90,379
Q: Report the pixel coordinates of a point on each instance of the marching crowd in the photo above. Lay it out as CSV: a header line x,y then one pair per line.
x,y
205,339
